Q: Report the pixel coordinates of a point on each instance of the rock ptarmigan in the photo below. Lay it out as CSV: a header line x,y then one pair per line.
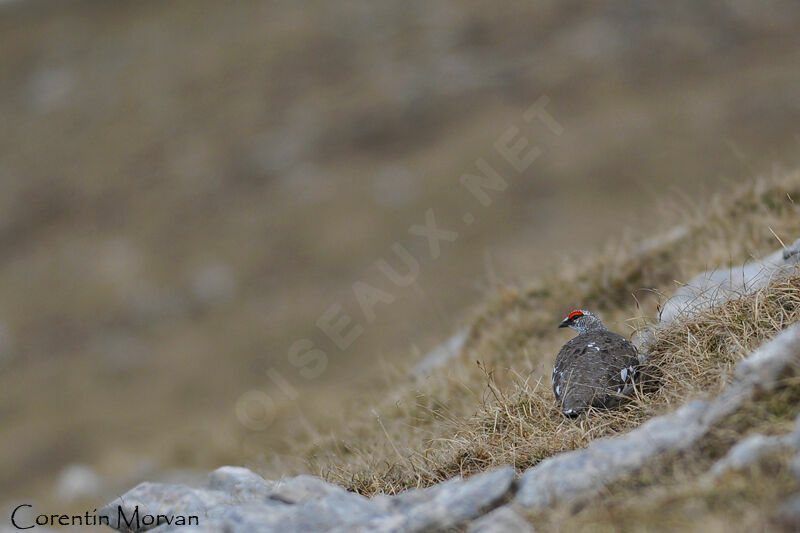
x,y
595,369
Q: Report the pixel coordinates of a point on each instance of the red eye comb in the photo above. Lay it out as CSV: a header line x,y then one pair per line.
x,y
575,314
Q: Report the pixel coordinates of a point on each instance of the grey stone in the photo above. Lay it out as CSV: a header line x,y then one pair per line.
x,y
303,488
746,452
78,481
213,283
454,502
662,240
207,527
241,483
395,523
50,87
440,356
248,517
715,287
332,513
501,520
337,511
605,460
764,366
162,499
238,499
752,448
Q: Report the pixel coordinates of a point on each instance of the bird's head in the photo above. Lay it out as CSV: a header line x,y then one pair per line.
x,y
581,321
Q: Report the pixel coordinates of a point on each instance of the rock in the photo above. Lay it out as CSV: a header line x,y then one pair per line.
x,y
386,524
304,488
335,512
213,284
247,517
501,520
584,471
78,482
239,500
715,287
744,453
440,356
764,366
453,502
158,498
338,512
752,448
241,483
50,87
662,240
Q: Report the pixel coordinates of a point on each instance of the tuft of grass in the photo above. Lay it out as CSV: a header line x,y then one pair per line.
x,y
500,410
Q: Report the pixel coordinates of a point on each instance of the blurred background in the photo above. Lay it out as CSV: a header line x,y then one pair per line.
x,y
186,186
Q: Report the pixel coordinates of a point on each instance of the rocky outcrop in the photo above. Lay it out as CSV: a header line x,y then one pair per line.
x,y
715,287
752,448
440,356
238,500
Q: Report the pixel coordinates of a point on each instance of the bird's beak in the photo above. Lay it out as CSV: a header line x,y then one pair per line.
x,y
564,323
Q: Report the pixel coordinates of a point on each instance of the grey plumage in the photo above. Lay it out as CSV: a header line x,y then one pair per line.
x,y
598,368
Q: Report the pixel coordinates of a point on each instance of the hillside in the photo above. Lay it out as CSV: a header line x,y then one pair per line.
x,y
493,405
710,441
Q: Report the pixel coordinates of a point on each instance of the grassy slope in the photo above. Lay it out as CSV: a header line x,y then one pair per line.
x,y
673,493
472,416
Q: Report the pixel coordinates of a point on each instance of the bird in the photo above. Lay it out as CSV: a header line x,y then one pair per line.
x,y
597,368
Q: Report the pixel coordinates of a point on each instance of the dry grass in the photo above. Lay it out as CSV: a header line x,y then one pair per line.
x,y
520,424
501,410
673,493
